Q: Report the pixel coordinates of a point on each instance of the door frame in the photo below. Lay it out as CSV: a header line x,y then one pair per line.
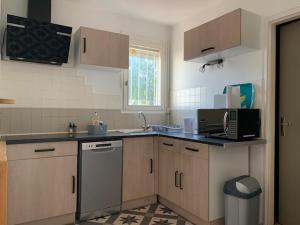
x,y
270,98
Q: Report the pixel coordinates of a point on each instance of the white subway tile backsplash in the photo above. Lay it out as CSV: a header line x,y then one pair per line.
x,y
191,98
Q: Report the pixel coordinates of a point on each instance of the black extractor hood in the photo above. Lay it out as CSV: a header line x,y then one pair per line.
x,y
36,39
39,10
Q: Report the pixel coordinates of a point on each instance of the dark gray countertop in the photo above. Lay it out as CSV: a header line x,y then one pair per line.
x,y
40,138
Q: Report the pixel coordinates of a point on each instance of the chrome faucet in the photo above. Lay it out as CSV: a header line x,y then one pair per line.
x,y
146,126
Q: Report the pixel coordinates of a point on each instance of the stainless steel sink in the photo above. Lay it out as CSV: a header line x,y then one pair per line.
x,y
141,132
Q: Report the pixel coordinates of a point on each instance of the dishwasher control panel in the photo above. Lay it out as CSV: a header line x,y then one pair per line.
x,y
101,145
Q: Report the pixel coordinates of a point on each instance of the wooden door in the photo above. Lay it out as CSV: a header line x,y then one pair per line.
x,y
40,188
201,40
138,168
94,47
169,170
119,51
229,26
194,187
194,179
288,121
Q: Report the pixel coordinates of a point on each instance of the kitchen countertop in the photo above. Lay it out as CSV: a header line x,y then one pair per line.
x,y
40,138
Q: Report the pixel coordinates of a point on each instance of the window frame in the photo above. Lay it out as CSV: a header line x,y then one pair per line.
x,y
163,49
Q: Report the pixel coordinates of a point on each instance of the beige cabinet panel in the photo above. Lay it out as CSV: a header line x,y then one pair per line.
x,y
103,48
41,150
119,51
229,30
232,34
41,188
183,175
169,171
138,168
194,179
201,40
94,47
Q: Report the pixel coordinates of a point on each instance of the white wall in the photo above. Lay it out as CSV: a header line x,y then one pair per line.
x,y
44,86
245,68
188,84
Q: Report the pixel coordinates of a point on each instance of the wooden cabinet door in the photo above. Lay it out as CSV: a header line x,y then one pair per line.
x,y
201,40
119,51
94,47
230,26
103,48
194,185
214,36
138,168
41,188
169,170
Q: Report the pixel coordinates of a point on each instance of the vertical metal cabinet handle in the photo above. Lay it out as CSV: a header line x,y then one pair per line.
x,y
73,184
180,181
176,176
84,45
151,166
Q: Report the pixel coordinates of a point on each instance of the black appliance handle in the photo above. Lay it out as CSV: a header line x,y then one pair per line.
x,y
225,122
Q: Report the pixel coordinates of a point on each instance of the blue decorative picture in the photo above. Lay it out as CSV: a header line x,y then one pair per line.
x,y
247,94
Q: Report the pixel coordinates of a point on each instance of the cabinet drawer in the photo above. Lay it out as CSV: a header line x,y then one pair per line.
x,y
169,144
194,149
41,150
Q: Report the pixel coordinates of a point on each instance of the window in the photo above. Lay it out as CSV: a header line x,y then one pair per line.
x,y
143,82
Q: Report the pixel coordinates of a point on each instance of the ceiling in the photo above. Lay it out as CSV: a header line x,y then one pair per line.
x,y
162,11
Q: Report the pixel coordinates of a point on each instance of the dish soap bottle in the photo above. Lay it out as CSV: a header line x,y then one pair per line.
x,y
95,119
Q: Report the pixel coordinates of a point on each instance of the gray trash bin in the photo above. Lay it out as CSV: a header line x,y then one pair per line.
x,y
242,201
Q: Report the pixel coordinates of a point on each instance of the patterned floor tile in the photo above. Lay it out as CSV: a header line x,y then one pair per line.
x,y
162,210
162,221
102,219
155,214
143,209
129,219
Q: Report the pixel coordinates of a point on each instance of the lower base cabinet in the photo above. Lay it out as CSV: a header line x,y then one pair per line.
x,y
183,175
194,179
42,186
138,168
192,176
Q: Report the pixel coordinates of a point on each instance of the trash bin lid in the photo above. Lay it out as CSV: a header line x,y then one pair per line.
x,y
245,187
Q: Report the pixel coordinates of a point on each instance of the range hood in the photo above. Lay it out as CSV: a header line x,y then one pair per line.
x,y
39,10
36,39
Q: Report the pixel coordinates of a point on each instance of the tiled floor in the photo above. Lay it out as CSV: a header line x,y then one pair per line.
x,y
155,214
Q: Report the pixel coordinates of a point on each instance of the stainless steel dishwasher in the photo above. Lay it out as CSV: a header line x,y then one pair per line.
x,y
100,179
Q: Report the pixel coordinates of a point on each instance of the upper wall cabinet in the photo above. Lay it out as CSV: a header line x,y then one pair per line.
x,y
232,34
102,48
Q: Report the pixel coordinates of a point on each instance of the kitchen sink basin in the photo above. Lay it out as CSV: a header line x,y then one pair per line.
x,y
141,132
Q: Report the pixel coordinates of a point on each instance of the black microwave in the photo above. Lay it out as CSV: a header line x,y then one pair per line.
x,y
232,124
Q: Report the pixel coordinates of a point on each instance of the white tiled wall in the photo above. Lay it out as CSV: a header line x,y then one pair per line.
x,y
43,86
192,98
